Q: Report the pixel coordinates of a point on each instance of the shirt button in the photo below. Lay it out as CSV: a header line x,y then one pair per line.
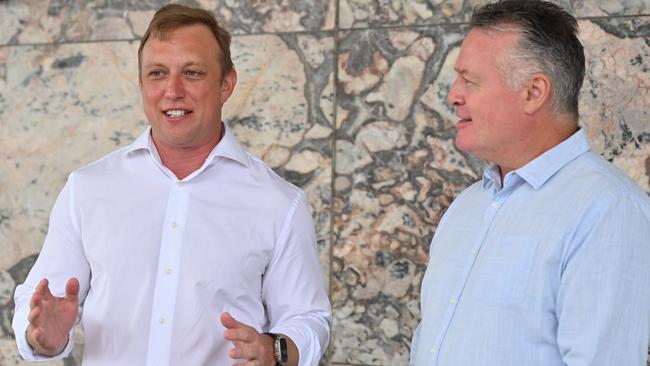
x,y
434,350
495,205
180,184
452,301
168,271
162,321
473,253
174,224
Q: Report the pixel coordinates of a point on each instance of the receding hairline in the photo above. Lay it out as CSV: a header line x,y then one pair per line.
x,y
175,16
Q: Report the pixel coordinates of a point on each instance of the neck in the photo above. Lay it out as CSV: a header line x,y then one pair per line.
x,y
549,134
183,161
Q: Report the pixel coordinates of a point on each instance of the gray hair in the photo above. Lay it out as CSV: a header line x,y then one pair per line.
x,y
548,44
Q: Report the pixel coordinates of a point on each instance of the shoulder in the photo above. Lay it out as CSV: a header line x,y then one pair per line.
x,y
102,168
593,175
276,188
600,195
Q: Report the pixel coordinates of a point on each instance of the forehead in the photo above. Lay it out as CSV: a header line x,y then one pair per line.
x,y
194,40
482,48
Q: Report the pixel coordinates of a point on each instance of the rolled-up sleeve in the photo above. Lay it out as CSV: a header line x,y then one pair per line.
x,y
294,289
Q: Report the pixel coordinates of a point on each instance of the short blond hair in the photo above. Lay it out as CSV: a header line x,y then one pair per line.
x,y
174,16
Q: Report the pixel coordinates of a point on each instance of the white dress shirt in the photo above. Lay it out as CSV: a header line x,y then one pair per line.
x,y
158,260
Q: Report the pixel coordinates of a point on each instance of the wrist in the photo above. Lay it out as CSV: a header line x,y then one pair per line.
x,y
39,350
279,349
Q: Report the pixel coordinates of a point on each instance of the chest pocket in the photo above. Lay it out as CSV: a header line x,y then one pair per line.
x,y
502,270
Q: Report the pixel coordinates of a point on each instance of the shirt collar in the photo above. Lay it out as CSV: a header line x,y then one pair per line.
x,y
143,142
228,147
539,170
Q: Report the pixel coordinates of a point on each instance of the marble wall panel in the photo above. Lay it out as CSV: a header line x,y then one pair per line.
x,y
615,99
396,171
57,21
53,119
282,111
382,13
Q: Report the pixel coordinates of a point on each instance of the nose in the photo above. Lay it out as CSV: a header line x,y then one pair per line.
x,y
455,97
174,88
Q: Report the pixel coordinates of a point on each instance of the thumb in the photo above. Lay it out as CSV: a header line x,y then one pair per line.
x,y
72,289
228,321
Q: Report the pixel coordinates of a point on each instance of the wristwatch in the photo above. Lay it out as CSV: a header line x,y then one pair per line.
x,y
279,349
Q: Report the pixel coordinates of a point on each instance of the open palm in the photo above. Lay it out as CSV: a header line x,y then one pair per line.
x,y
51,317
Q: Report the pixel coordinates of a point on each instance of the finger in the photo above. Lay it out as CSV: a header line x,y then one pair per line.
x,y
37,335
36,300
42,287
72,289
245,335
229,322
33,315
254,351
241,353
247,363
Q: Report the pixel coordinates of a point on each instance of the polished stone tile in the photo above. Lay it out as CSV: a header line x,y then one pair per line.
x,y
282,111
614,98
396,171
380,13
61,108
57,21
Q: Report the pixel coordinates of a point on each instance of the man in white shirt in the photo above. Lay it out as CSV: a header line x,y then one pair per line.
x,y
160,245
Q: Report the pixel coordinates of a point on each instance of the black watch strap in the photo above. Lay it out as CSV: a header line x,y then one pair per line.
x,y
279,349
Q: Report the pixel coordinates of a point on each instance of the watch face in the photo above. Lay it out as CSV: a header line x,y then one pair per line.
x,y
284,355
279,349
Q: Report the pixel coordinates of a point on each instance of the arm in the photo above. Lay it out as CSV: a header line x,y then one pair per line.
x,y
603,302
43,320
249,345
293,287
294,295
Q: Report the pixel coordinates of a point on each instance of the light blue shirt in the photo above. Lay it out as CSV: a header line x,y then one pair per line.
x,y
553,268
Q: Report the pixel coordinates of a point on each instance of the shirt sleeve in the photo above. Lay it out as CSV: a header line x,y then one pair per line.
x,y
603,302
61,258
293,287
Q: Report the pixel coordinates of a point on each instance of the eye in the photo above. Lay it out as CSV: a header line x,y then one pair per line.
x,y
155,74
193,74
468,81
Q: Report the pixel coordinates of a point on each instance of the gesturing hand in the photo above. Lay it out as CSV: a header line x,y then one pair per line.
x,y
251,348
51,317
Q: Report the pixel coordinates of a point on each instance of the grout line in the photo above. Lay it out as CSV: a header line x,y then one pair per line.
x,y
335,79
335,30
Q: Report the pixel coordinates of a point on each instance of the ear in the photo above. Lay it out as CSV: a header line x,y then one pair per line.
x,y
228,85
537,93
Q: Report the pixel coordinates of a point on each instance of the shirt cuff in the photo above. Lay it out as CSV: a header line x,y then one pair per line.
x,y
310,339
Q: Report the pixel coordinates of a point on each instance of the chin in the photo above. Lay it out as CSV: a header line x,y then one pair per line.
x,y
462,144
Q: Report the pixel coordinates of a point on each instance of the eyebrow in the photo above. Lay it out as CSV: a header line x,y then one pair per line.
x,y
189,63
460,70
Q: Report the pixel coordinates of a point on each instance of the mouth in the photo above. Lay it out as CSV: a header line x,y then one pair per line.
x,y
176,113
462,121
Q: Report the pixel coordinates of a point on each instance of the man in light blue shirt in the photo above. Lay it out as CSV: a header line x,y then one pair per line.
x,y
546,260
